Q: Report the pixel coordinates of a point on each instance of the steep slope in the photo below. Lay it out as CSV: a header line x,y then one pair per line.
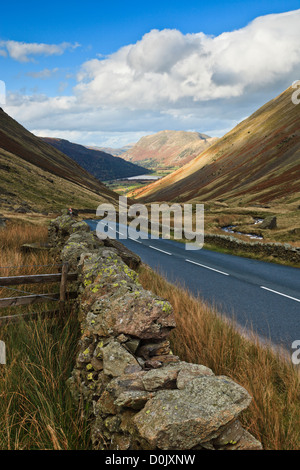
x,y
100,164
258,161
34,172
168,148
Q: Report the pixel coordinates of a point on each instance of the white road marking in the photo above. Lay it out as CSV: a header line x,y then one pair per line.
x,y
154,248
207,267
134,240
280,293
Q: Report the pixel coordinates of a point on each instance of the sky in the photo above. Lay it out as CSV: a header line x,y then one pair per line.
x,y
107,73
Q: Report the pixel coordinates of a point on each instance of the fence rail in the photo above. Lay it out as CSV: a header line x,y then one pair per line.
x,y
61,297
32,299
35,279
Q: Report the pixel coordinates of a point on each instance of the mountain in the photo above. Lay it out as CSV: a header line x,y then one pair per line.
x,y
100,164
113,151
168,149
256,162
35,173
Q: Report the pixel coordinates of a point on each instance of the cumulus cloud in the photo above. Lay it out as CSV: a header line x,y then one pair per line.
x,y
167,67
93,138
170,80
24,52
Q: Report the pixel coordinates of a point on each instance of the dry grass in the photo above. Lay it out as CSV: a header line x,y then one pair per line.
x,y
15,262
14,235
36,407
288,225
203,336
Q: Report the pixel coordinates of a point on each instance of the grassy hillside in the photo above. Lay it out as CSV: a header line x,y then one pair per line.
x,y
100,164
257,162
34,173
168,149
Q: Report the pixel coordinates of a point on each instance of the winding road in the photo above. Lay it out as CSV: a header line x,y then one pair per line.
x,y
258,295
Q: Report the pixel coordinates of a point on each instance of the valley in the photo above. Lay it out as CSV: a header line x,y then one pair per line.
x,y
251,172
150,229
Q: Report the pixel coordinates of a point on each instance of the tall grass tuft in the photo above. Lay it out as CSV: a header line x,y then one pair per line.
x,y
36,407
204,336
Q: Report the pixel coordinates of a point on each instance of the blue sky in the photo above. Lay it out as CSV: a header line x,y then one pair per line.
x,y
59,59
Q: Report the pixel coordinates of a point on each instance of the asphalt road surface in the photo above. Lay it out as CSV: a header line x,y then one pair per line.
x,y
264,297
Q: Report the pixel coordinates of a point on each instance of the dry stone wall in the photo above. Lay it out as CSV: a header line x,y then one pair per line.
x,y
283,251
139,395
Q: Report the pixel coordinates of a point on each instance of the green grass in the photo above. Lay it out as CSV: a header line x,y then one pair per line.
x,y
36,407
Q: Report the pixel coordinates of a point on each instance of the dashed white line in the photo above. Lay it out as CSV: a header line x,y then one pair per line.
x,y
207,267
134,240
280,293
154,248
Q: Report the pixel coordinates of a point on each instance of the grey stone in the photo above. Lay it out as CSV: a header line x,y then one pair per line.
x,y
269,223
132,345
117,360
230,435
189,372
246,442
129,257
154,349
126,382
135,399
182,419
164,377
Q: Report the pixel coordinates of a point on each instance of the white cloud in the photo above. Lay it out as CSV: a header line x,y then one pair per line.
x,y
43,74
166,67
170,80
93,138
23,52
2,93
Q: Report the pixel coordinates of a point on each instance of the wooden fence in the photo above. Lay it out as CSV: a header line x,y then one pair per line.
x,y
60,297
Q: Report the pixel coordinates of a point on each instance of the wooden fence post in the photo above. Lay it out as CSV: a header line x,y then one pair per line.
x,y
62,295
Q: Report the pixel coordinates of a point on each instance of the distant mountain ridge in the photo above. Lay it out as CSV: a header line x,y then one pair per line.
x,y
168,148
116,152
100,164
256,162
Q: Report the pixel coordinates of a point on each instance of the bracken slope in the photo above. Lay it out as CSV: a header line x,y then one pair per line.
x,y
256,162
168,148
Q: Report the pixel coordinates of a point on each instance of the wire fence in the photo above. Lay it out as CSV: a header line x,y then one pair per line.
x,y
32,266
25,292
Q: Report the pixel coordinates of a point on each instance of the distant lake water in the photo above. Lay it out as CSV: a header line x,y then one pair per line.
x,y
143,177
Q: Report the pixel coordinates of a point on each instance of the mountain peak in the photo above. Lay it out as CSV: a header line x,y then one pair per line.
x,y
168,148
